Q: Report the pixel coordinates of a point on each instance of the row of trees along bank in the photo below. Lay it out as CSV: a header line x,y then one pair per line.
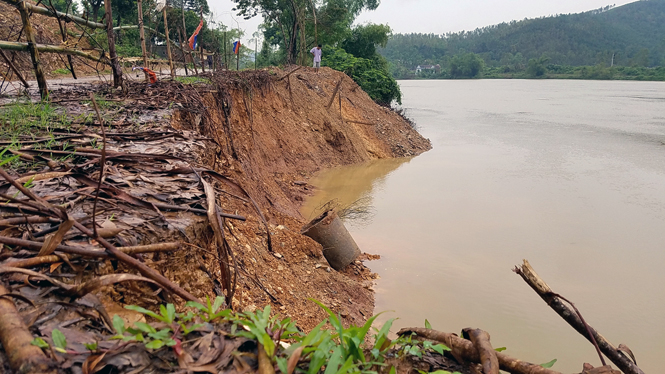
x,y
292,28
624,42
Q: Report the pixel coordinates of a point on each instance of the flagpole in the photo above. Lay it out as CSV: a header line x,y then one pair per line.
x,y
238,57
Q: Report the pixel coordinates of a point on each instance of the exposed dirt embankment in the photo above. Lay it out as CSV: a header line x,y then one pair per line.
x,y
273,135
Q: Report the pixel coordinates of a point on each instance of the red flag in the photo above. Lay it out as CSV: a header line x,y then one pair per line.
x,y
194,37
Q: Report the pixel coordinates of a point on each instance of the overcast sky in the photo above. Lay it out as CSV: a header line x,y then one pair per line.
x,y
439,16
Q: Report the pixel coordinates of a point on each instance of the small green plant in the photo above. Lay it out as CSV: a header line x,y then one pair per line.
x,y
267,330
58,339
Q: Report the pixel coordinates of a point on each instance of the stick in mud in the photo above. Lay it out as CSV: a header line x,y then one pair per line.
x,y
555,302
468,352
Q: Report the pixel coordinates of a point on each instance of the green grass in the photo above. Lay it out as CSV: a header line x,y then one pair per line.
x,y
30,119
192,80
61,71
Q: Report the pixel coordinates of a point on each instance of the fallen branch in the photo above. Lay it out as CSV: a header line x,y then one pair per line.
x,y
289,73
14,69
223,248
481,340
332,98
360,122
15,337
82,251
46,48
555,302
21,220
140,266
465,349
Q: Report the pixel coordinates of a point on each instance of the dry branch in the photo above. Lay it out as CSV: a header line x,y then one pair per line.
x,y
360,122
289,73
481,340
18,46
14,68
88,252
555,302
332,98
23,356
465,349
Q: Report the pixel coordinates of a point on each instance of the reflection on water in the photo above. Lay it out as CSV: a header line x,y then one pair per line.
x,y
568,174
351,186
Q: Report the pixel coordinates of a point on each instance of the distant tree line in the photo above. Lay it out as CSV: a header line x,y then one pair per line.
x,y
632,36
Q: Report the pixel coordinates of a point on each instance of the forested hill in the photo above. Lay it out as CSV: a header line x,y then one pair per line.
x,y
634,33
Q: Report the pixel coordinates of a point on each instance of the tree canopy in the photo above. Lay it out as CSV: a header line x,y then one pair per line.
x,y
629,35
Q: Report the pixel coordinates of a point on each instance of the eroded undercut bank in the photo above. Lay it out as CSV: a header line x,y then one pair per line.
x,y
196,187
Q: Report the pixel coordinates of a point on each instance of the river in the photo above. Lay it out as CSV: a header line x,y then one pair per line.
x,y
567,174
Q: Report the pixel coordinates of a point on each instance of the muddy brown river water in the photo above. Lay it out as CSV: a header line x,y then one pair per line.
x,y
567,174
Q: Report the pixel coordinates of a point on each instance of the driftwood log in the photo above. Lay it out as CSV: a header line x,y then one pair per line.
x,y
481,340
23,357
467,351
555,302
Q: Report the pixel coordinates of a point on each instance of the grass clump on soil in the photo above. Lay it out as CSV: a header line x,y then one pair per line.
x,y
26,119
61,71
329,348
192,80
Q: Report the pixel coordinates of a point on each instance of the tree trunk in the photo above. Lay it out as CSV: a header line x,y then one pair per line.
x,y
142,38
115,66
168,43
34,53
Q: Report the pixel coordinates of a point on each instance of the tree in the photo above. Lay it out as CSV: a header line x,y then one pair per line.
x,y
371,75
290,23
365,38
468,65
536,67
64,6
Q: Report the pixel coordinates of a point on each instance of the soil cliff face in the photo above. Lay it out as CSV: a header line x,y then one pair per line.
x,y
271,136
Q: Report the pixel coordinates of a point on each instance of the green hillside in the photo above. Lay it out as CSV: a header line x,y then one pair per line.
x,y
634,34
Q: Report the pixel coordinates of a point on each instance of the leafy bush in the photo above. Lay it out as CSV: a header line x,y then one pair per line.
x,y
372,75
468,65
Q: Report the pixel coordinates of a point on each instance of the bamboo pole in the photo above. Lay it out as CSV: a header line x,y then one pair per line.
x,y
184,32
17,46
66,17
200,43
168,43
14,69
182,49
34,53
117,72
142,38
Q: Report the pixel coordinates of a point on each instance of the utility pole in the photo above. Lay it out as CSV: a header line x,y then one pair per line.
x,y
142,37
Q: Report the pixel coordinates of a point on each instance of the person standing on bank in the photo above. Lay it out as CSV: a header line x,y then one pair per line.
x,y
317,52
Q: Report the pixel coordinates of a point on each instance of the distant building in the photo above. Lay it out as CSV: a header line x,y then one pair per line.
x,y
428,68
